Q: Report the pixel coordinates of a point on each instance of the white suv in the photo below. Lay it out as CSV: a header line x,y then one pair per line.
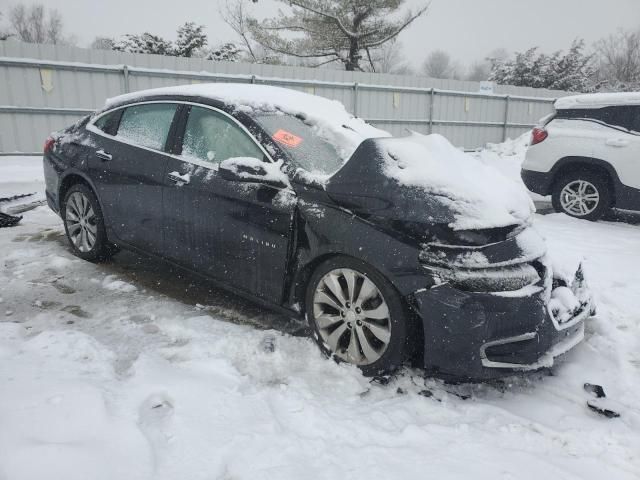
x,y
587,155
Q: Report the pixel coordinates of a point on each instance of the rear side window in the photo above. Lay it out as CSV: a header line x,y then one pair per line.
x,y
212,137
147,125
635,119
108,123
614,116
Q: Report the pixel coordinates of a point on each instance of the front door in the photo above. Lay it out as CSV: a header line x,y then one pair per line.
x,y
128,170
238,233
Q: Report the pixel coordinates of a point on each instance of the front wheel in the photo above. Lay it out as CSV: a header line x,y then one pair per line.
x,y
583,195
357,316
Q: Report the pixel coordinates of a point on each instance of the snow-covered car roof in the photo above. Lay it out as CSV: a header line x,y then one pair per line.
x,y
329,118
592,100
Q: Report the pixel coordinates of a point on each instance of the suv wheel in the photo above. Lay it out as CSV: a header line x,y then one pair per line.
x,y
84,225
357,316
582,195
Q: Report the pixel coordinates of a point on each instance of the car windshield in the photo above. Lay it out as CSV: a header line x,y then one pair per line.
x,y
301,141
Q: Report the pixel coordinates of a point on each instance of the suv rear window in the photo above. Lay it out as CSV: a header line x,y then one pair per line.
x,y
614,116
635,119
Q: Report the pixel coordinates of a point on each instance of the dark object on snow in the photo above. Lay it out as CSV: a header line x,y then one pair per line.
x,y
426,393
596,390
16,197
382,379
8,220
602,410
268,344
372,262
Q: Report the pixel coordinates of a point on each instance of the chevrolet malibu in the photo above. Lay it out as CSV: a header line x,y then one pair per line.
x,y
394,249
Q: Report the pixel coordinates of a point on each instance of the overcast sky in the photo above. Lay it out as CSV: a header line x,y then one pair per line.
x,y
467,29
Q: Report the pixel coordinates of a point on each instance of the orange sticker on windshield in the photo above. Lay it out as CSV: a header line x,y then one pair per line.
x,y
287,138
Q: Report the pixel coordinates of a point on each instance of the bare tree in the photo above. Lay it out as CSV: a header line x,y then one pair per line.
x,y
103,43
334,30
479,71
389,59
4,34
618,57
439,64
34,25
235,15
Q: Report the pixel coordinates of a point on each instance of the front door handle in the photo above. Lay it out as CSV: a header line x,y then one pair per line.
x,y
104,155
178,179
617,142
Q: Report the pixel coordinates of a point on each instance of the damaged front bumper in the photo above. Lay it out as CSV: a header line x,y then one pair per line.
x,y
513,327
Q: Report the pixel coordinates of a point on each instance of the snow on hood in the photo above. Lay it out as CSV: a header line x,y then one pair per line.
x,y
477,194
329,118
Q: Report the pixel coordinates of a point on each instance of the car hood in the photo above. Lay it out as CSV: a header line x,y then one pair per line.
x,y
425,180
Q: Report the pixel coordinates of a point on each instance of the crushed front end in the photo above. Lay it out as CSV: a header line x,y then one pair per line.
x,y
497,308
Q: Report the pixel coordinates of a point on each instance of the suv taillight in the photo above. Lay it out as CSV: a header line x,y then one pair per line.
x,y
48,144
538,135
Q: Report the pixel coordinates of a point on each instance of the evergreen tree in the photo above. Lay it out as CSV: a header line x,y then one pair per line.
x,y
191,39
227,52
145,43
571,72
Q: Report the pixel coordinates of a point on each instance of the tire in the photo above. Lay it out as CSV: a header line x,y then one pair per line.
x,y
381,344
84,224
594,201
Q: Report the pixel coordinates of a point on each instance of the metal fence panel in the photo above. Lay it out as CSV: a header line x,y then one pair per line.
x,y
46,87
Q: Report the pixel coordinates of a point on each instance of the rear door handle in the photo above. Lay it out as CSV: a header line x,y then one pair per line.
x,y
104,155
178,179
617,142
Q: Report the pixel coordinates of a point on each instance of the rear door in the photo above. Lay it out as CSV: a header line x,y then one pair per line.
x,y
238,233
127,166
619,143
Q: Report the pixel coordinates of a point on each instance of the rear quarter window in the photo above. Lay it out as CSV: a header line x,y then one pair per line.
x,y
109,122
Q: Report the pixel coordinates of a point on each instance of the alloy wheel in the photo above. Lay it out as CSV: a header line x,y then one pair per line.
x,y
81,222
579,198
352,316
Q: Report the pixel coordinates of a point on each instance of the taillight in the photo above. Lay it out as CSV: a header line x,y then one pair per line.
x,y
48,144
538,135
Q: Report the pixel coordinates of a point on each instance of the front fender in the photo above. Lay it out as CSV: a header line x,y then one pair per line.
x,y
322,231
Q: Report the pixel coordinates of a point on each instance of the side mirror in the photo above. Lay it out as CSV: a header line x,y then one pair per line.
x,y
252,170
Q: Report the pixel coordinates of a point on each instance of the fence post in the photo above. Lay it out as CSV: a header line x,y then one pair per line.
x,y
506,118
431,99
355,99
125,73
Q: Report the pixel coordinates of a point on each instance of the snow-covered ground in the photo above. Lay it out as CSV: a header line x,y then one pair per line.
x,y
131,370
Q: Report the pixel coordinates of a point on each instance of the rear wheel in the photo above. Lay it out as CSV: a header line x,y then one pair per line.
x,y
357,316
582,194
84,224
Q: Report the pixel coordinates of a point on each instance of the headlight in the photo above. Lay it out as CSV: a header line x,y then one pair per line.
x,y
502,279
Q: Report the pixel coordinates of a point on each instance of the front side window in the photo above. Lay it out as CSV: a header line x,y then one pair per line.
x,y
212,137
147,125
